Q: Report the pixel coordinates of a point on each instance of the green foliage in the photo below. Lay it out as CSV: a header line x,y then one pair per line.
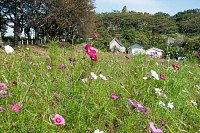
x,y
102,43
8,38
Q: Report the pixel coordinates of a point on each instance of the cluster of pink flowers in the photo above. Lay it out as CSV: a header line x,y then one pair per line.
x,y
3,91
175,66
62,66
91,52
3,86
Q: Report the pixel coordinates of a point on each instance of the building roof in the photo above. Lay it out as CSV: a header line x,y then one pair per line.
x,y
136,46
119,42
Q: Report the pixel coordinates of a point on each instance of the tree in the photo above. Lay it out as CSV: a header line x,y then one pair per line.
x,y
124,10
163,24
188,21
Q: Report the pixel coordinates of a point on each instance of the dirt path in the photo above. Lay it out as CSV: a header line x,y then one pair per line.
x,y
36,49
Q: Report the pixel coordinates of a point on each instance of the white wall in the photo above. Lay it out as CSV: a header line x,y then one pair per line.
x,y
113,44
136,51
152,52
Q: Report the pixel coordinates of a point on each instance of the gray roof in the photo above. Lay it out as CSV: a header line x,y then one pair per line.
x,y
119,42
136,46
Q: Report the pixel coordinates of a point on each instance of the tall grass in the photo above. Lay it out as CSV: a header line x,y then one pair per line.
x,y
88,106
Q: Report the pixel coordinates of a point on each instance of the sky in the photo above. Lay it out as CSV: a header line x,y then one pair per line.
x,y
150,6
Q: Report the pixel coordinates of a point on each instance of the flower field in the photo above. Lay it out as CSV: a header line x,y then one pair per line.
x,y
78,89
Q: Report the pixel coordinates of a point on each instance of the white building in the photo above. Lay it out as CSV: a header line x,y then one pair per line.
x,y
136,49
115,44
154,52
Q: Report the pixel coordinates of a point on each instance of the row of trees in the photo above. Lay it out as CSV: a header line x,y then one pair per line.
x,y
178,32
47,17
187,22
57,18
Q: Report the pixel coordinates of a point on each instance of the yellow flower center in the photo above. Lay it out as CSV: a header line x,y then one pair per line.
x,y
58,120
88,50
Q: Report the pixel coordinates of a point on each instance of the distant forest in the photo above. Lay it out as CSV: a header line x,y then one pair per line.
x,y
77,19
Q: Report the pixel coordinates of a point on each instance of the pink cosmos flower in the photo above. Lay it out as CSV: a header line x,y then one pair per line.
x,y
62,66
163,123
3,93
122,87
60,43
95,35
136,105
15,108
24,84
153,129
68,43
197,55
58,120
162,76
48,67
48,57
175,66
57,95
114,96
3,86
199,65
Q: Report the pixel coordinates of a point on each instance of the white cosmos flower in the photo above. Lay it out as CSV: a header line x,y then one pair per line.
x,y
170,105
9,49
154,74
162,104
102,77
98,131
93,76
84,80
145,78
158,91
194,103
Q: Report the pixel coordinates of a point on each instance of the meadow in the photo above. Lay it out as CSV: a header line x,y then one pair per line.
x,y
53,90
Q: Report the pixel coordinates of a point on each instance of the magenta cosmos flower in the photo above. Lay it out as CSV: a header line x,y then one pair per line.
x,y
136,105
175,66
163,123
162,76
95,35
114,96
89,51
197,55
15,108
58,120
153,129
94,58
